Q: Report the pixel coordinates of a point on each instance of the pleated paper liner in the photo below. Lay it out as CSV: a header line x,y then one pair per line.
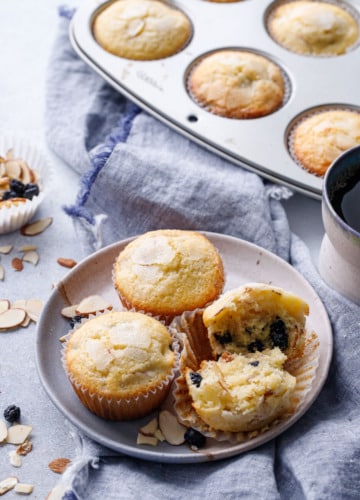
x,y
193,339
15,215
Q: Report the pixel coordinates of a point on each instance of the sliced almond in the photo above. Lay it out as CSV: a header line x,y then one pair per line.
x,y
25,172
26,321
36,227
150,428
69,263
24,448
13,169
173,431
34,307
92,304
17,264
59,465
2,273
158,434
4,305
27,248
5,249
18,433
31,256
69,311
150,440
15,459
3,431
11,318
25,488
7,484
19,304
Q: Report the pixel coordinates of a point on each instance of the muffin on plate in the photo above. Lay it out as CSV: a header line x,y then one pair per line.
x,y
120,364
256,317
168,271
237,84
240,393
313,28
319,138
142,29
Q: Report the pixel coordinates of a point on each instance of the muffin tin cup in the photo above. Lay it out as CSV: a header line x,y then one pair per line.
x,y
121,409
193,338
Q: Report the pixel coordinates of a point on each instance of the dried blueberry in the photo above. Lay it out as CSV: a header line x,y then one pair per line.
x,y
195,378
7,195
75,319
12,413
257,345
223,338
254,363
17,186
194,438
278,334
30,191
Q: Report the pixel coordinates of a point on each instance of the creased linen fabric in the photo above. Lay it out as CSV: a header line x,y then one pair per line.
x,y
139,175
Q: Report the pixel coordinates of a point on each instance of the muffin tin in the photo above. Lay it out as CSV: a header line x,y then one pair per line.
x,y
260,144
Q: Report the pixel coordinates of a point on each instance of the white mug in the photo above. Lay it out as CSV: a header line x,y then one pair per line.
x,y
339,258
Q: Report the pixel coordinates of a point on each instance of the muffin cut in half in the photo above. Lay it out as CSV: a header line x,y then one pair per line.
x,y
120,364
256,317
166,272
240,393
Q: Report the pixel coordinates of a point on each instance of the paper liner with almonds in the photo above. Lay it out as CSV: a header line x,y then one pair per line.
x,y
192,335
25,162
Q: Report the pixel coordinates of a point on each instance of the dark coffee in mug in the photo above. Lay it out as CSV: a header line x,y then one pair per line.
x,y
345,199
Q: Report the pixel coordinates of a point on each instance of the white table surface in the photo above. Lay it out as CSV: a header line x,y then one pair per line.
x,y
27,32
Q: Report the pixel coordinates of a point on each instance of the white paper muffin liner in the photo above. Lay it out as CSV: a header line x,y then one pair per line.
x,y
16,216
192,335
120,408
305,116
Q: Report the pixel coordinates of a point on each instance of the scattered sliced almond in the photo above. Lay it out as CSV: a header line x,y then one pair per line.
x,y
11,318
7,484
59,465
31,256
4,305
26,321
150,440
5,249
3,431
15,459
17,264
92,304
13,169
69,311
69,263
18,433
36,227
172,430
27,248
34,307
2,273
24,448
19,304
158,434
24,488
150,428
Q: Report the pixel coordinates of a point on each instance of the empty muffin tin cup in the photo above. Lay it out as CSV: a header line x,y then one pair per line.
x,y
339,259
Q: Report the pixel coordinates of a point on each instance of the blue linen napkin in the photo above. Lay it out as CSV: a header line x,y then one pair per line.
x,y
138,175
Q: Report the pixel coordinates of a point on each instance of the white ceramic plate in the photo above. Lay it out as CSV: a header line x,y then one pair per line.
x,y
243,263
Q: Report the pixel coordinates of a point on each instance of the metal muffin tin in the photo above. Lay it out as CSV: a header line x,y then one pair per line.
x,y
257,144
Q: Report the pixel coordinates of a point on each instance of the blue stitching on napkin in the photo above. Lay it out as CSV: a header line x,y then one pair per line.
x,y
66,12
98,160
